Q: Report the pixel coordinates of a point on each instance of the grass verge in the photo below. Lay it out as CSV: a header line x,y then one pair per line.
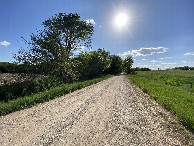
x,y
29,101
179,102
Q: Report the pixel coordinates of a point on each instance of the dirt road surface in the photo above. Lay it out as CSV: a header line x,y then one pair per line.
x,y
111,112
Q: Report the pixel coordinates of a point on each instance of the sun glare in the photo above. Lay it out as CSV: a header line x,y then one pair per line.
x,y
121,20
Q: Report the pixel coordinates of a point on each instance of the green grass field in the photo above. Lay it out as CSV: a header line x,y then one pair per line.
x,y
172,89
179,78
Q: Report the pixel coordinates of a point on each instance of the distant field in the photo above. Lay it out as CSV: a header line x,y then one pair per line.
x,y
173,89
187,73
183,79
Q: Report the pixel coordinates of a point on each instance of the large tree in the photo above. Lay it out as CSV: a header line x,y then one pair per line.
x,y
53,46
92,64
127,64
116,64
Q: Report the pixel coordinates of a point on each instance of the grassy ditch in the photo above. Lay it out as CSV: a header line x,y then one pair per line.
x,y
29,101
178,101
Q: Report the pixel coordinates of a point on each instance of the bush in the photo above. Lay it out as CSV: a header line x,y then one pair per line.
x,y
6,67
15,90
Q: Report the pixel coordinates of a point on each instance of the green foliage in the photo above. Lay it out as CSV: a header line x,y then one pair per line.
x,y
184,68
141,69
116,65
6,67
92,64
178,101
15,90
34,99
127,64
53,46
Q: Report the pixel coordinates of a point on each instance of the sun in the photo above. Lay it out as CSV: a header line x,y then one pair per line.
x,y
121,20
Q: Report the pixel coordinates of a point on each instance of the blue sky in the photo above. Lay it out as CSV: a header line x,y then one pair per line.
x,y
158,33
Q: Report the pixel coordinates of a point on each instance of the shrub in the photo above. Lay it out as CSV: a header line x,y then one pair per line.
x,y
15,90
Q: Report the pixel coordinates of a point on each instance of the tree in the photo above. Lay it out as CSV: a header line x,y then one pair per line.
x,y
127,64
100,61
92,64
116,64
141,69
53,46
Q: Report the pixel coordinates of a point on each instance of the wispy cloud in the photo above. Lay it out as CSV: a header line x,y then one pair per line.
x,y
189,53
100,26
188,62
168,63
151,65
143,52
4,43
167,58
154,61
143,59
90,21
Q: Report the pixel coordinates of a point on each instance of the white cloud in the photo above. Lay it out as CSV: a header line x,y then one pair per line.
x,y
4,43
143,59
150,66
100,26
168,63
167,58
189,53
143,52
188,62
90,21
154,61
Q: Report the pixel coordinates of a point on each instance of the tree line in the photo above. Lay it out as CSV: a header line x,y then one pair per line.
x,y
184,68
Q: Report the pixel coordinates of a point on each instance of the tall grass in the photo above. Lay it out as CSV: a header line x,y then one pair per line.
x,y
28,101
178,101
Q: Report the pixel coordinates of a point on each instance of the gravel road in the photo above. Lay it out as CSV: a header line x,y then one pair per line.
x,y
111,112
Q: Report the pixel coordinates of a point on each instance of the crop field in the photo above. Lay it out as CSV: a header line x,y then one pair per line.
x,y
172,89
179,78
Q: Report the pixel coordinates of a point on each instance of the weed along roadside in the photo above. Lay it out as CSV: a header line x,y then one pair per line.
x,y
180,102
29,101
